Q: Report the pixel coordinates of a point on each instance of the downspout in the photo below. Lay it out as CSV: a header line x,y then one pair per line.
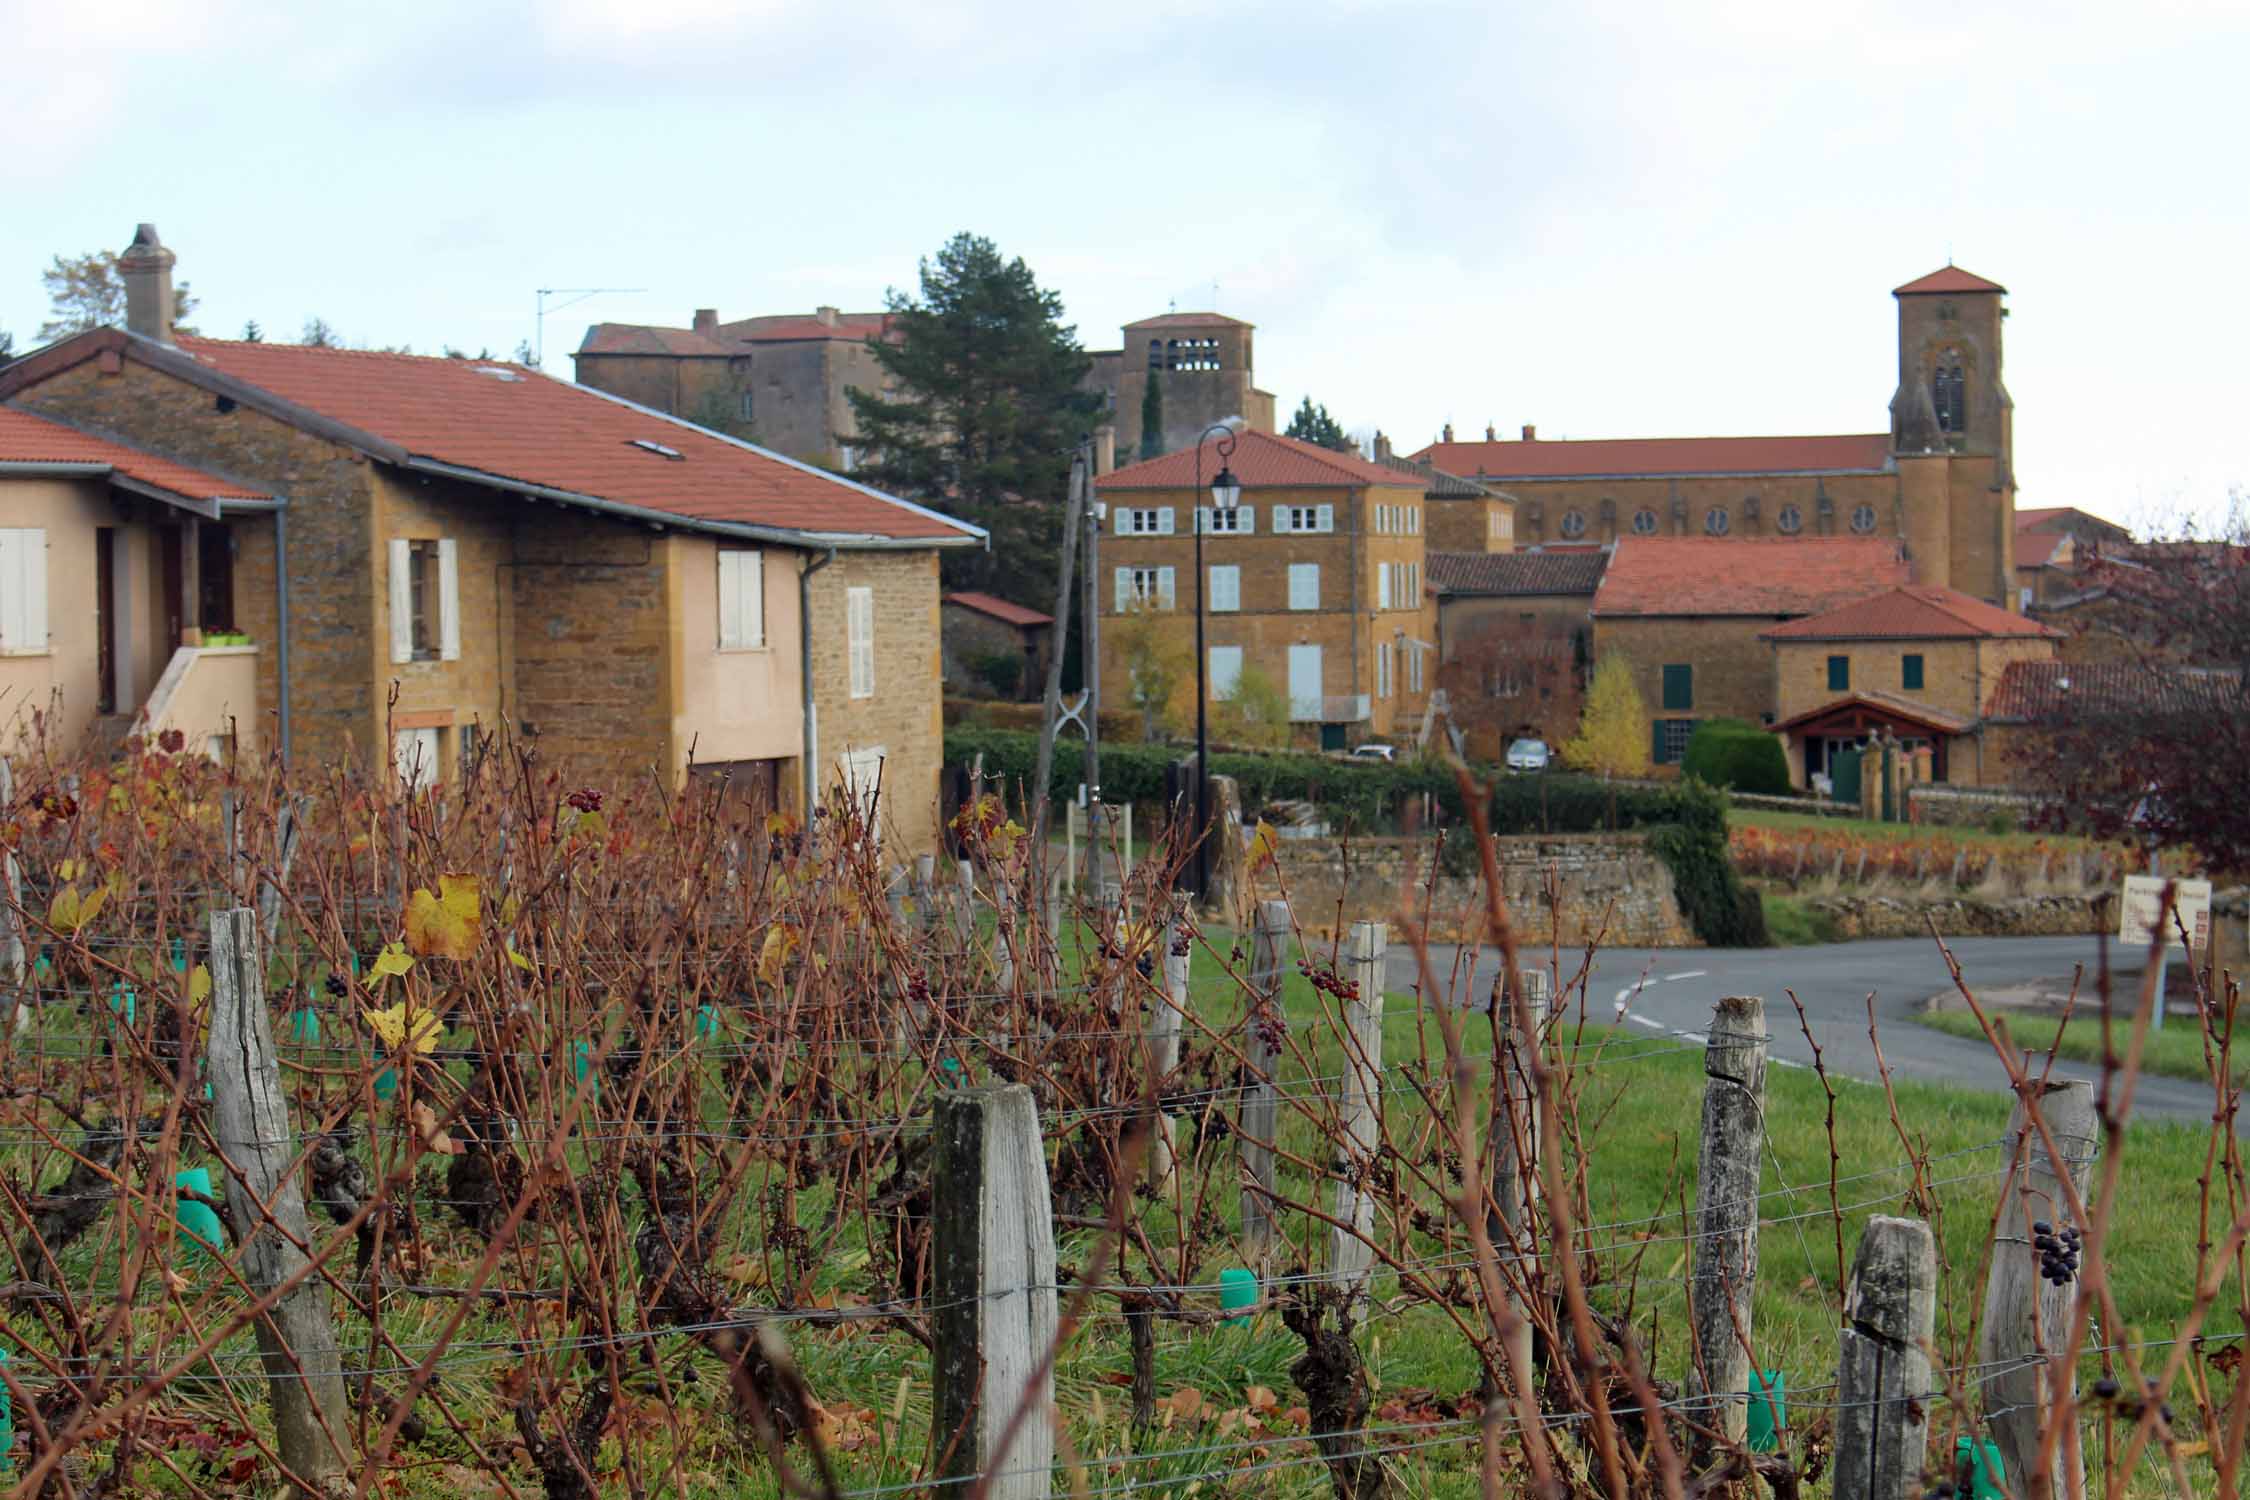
x,y
811,777
281,592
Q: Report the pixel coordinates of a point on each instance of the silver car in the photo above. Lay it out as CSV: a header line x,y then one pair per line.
x,y
1528,755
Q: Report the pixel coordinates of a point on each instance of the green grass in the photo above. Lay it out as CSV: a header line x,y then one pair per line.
x,y
1760,817
2176,1052
1792,923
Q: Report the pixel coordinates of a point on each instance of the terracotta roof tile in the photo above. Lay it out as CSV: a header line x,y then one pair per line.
x,y
999,608
2036,549
1511,573
30,439
1438,484
1262,461
1920,612
1947,279
1677,575
1540,458
644,338
1190,320
2035,690
517,424
801,327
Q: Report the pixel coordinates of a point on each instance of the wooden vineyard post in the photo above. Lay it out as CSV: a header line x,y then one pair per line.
x,y
15,958
1256,1116
1512,1147
1352,1252
1883,1370
1726,1214
993,1295
965,904
250,1116
1164,1040
2027,1318
270,891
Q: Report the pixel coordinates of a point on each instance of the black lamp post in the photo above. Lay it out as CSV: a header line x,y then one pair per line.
x,y
1226,494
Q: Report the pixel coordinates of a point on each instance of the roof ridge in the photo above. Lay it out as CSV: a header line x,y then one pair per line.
x,y
187,340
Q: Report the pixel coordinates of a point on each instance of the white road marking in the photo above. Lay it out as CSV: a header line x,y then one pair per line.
x,y
1644,1021
1689,974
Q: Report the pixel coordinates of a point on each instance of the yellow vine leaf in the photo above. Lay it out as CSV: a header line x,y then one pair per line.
x,y
781,941
69,911
1264,844
508,908
392,1026
444,925
518,959
392,960
199,985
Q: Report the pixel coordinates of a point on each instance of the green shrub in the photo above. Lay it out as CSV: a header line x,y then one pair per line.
x,y
999,670
1724,912
1737,755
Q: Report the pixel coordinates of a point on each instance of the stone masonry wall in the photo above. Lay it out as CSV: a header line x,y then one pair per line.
x,y
905,714
589,644
1609,887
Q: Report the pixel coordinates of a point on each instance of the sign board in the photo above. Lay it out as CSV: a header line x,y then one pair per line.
x,y
2144,898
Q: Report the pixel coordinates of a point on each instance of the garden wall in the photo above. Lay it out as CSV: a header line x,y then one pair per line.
x,y
2020,916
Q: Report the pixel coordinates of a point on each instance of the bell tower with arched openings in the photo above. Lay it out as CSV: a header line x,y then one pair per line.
x,y
1952,434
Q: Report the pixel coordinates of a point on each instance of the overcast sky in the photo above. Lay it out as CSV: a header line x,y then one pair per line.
x,y
1610,219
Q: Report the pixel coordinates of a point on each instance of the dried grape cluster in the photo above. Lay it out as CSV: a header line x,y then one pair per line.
x,y
1328,981
2058,1252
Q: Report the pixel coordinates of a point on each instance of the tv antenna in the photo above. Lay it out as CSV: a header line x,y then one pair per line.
x,y
576,294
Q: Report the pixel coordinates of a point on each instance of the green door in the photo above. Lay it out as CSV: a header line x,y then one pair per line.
x,y
1843,770
1331,736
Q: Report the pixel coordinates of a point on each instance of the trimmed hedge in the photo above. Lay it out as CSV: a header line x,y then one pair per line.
x,y
1736,754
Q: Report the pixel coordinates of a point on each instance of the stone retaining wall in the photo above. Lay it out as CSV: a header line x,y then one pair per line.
x,y
2023,916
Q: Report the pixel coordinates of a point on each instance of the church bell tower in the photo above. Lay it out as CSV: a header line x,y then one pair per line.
x,y
1952,434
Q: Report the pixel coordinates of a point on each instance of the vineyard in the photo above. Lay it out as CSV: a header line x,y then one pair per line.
x,y
1932,863
530,1138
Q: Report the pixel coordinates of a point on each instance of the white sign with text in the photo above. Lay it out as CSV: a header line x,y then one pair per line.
x,y
2144,900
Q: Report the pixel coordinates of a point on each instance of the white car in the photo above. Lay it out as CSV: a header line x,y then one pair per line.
x,y
1528,755
1372,751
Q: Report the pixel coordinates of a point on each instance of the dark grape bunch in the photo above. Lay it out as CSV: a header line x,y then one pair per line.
x,y
2109,1393
1325,979
2058,1252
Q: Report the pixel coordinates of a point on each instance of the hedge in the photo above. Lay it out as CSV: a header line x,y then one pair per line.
x,y
1737,754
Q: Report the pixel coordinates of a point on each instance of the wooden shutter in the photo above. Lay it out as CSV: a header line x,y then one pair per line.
x,y
730,601
449,600
860,631
1246,519
402,599
1281,520
1123,514
1325,518
23,589
1164,594
1124,589
1164,521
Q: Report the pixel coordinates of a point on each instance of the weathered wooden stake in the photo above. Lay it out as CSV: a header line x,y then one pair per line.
x,y
1164,1040
1512,1145
1726,1213
2025,1318
1883,1370
15,962
1352,1252
250,1116
270,890
1255,1119
993,1294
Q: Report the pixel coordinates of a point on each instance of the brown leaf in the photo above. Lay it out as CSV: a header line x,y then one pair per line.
x,y
433,1134
1260,1398
1185,1404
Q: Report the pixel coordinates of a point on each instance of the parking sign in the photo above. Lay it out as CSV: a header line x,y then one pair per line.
x,y
2144,899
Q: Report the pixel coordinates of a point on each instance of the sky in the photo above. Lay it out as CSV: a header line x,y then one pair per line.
x,y
1609,218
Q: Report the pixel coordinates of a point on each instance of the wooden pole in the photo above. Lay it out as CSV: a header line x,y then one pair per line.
x,y
1257,1113
1883,1370
2026,1318
993,1295
1164,1040
270,892
1512,1146
15,962
1726,1213
1352,1252
250,1121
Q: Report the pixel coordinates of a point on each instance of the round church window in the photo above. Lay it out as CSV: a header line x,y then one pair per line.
x,y
1644,522
1574,523
1863,518
1791,520
1716,520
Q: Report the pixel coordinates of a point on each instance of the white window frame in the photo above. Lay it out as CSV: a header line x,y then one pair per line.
x,y
742,599
1225,583
1304,580
1225,672
401,583
1145,521
1242,520
859,639
1145,585
1382,669
24,626
1383,585
1314,519
417,757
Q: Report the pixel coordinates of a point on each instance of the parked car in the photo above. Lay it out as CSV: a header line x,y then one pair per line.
x,y
1528,755
1373,751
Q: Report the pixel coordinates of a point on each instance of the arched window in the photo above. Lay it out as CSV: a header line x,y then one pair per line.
x,y
1716,520
1791,520
1644,522
1863,519
1949,390
1574,523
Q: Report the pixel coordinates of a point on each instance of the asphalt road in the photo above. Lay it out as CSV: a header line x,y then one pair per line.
x,y
1671,991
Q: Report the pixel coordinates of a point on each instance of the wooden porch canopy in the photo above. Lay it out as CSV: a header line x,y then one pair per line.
x,y
1859,714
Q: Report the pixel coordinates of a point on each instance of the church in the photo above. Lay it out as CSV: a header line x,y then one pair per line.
x,y
1941,480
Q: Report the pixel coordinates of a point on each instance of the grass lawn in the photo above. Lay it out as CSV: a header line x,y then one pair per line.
x,y
1760,817
2177,1051
1791,922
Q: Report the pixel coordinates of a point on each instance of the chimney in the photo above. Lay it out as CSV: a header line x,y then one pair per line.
x,y
1105,449
1530,433
826,315
145,266
1489,435
1447,437
1382,448
707,321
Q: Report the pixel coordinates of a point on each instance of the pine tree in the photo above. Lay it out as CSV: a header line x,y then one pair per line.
x,y
1612,738
990,403
1152,418
1312,424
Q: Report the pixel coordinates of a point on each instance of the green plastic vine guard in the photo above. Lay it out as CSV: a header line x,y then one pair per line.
x,y
304,1023
7,1424
1769,1410
582,1067
386,1083
706,1022
1978,1461
197,1220
179,955
121,1002
1238,1292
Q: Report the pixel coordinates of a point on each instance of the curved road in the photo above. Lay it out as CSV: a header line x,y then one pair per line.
x,y
1672,990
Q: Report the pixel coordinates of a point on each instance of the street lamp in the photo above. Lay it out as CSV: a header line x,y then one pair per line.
x,y
1226,494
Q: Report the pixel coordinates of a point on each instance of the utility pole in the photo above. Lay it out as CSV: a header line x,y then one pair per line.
x,y
1091,646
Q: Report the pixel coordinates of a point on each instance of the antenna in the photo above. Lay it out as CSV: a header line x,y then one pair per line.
x,y
576,294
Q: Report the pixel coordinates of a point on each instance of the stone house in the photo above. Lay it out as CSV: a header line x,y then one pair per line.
x,y
1202,365
1913,663
1316,580
2053,545
1515,637
1940,483
1462,515
454,545
2031,696
1689,614
979,626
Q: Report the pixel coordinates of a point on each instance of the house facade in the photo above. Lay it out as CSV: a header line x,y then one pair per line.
x,y
1515,636
983,629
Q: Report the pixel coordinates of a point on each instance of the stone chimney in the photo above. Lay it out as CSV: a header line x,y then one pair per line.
x,y
1530,433
1105,449
1489,435
1382,448
707,321
145,267
1447,436
826,315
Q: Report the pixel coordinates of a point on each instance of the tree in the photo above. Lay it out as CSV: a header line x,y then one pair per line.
x,y
1256,715
1312,424
7,346
989,405
1159,666
318,334
252,333
1152,417
85,291
1612,738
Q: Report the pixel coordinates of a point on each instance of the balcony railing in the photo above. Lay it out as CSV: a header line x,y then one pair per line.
x,y
209,694
1338,708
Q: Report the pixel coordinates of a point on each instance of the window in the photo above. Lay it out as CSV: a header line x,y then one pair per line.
x,y
1839,674
1383,669
742,600
1413,585
749,405
1379,517
1414,520
1242,520
1644,522
23,591
1669,741
1413,668
414,756
851,458
1226,671
1383,585
1716,520
1949,389
1149,588
1863,518
1304,585
1791,520
1910,672
1574,523
1226,588
1309,518
425,588
859,637
1679,686
861,772
1156,522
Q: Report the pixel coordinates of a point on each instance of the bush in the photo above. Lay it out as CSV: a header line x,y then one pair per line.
x,y
1737,755
1724,911
1564,803
999,670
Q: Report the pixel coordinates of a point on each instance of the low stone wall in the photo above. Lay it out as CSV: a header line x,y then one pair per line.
x,y
2023,916
1570,890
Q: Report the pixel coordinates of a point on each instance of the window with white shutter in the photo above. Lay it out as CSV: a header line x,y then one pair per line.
x,y
1326,518
1226,588
449,600
1226,671
1281,518
859,635
1164,595
1124,590
23,590
1304,585
1240,521
425,594
1383,586
414,756
742,600
1164,521
1413,669
1383,669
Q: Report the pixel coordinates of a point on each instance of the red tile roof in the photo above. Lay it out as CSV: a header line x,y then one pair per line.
x,y
1605,457
1679,575
731,339
999,609
514,423
1513,573
29,439
2036,549
644,338
2034,690
1948,279
1262,461
1190,320
1919,612
796,327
